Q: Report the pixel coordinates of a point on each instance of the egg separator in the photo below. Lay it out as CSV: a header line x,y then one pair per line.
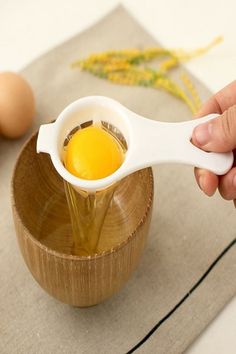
x,y
149,142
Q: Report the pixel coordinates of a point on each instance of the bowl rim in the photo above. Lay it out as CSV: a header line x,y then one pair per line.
x,y
66,256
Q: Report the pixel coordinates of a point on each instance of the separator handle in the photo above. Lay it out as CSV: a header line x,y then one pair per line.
x,y
159,142
218,163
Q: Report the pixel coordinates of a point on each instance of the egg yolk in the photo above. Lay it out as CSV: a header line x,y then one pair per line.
x,y
93,153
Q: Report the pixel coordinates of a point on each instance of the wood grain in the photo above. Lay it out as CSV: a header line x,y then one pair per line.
x,y
77,280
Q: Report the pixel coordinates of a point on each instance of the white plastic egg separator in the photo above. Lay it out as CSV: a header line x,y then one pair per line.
x,y
149,142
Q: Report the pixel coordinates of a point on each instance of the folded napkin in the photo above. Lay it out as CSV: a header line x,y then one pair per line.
x,y
188,270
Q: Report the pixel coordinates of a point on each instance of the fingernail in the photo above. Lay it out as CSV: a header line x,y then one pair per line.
x,y
202,133
201,182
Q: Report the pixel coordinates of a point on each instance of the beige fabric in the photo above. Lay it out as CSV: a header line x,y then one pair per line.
x,y
188,229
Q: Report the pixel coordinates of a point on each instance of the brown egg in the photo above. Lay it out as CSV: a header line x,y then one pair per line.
x,y
17,105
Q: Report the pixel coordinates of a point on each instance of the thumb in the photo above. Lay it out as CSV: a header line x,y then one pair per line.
x,y
218,134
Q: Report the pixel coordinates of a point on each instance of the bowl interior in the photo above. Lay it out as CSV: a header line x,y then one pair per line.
x,y
39,197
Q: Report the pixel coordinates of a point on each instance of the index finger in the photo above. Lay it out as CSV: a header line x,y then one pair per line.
x,y
220,102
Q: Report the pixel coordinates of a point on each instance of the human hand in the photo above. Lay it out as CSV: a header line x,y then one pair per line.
x,y
218,135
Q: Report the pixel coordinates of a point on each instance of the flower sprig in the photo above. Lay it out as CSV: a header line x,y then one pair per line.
x,y
130,67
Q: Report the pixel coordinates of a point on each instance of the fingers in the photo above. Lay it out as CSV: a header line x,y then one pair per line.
x,y
220,102
207,181
227,185
219,134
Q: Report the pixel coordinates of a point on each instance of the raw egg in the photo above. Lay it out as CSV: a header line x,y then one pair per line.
x,y
93,153
17,105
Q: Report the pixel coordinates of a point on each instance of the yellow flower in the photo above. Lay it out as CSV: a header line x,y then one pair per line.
x,y
128,67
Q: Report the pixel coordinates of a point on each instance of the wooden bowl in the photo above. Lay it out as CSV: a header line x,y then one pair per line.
x,y
37,190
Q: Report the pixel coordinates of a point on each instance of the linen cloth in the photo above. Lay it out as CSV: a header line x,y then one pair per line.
x,y
188,270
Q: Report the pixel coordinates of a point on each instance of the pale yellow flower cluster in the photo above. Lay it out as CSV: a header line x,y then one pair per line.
x,y
129,67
